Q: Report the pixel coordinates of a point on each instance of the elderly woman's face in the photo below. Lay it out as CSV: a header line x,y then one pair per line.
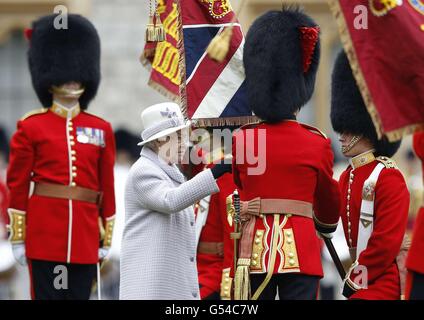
x,y
173,148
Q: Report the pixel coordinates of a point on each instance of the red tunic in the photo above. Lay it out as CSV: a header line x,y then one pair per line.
x,y
43,150
390,220
297,165
216,229
3,207
415,261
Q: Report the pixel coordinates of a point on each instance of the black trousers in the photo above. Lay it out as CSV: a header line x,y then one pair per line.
x,y
213,296
61,281
290,286
417,287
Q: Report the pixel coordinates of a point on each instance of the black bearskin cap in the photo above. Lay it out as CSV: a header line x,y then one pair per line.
x,y
58,56
348,111
126,141
273,59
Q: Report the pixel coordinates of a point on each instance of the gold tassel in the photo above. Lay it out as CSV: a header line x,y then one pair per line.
x,y
241,280
220,45
151,30
159,29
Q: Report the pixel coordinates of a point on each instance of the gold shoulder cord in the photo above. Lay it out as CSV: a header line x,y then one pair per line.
x,y
16,226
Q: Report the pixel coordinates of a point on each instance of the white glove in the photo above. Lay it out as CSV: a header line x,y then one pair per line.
x,y
19,253
103,253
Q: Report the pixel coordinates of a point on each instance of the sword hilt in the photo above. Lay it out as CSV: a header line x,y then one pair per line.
x,y
236,198
236,235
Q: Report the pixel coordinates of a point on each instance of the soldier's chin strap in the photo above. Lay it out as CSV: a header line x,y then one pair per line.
x,y
351,144
69,93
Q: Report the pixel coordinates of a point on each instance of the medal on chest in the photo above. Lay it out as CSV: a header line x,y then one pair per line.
x,y
86,135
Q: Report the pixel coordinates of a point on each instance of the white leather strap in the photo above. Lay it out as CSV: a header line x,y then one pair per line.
x,y
366,219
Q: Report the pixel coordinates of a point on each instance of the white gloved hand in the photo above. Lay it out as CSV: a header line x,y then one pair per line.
x,y
103,253
19,253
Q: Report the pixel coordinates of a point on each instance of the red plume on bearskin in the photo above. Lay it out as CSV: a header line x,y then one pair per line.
x,y
28,33
281,57
309,37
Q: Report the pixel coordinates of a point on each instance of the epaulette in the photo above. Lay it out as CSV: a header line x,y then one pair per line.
x,y
389,163
34,112
249,125
313,129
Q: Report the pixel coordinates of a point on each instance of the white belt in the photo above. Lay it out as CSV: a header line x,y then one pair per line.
x,y
366,219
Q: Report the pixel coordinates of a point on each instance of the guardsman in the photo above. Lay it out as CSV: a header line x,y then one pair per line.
x,y
374,196
65,157
415,261
282,168
215,247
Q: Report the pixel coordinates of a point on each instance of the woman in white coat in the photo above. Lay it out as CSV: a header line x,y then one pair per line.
x,y
158,254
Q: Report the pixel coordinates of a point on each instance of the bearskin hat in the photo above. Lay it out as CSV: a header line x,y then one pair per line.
x,y
58,56
281,57
348,110
126,141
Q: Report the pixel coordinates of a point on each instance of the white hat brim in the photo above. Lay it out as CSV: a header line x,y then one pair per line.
x,y
164,133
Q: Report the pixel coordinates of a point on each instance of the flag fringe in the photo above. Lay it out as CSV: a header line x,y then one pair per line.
x,y
396,135
181,62
222,122
354,63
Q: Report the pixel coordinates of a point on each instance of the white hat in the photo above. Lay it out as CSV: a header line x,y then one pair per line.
x,y
161,120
